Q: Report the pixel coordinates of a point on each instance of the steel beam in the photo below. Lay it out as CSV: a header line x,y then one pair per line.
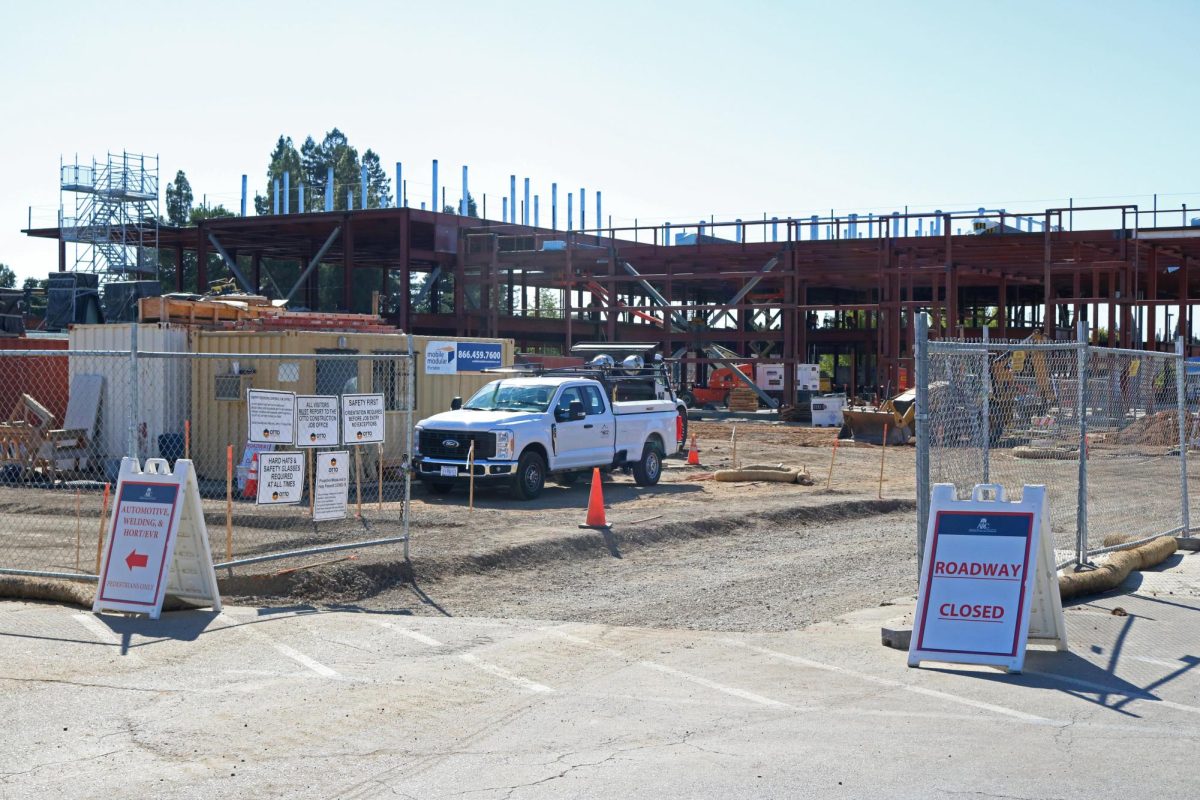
x,y
312,265
232,264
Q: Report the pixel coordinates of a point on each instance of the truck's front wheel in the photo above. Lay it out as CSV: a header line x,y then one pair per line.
x,y
530,477
648,469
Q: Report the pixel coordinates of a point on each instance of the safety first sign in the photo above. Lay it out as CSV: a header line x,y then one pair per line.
x,y
362,418
987,580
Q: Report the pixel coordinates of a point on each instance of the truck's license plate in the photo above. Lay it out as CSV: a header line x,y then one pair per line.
x,y
450,472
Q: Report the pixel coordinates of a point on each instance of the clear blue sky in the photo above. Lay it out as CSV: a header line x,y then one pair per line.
x,y
677,111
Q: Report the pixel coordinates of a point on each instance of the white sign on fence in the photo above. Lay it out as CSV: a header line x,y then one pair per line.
x,y
988,581
332,493
272,416
317,420
362,418
280,478
157,541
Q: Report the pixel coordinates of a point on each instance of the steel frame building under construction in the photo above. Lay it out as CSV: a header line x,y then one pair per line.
x,y
771,291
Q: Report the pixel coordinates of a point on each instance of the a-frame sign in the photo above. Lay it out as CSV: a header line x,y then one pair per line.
x,y
157,541
988,580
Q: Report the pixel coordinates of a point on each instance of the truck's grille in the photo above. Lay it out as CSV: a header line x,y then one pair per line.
x,y
436,444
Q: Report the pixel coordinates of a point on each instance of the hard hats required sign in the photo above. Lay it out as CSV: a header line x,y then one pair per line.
x,y
280,478
984,563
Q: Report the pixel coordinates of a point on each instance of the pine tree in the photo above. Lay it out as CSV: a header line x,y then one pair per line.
x,y
179,200
284,158
379,192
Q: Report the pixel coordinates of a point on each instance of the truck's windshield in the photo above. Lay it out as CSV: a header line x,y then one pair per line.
x,y
501,396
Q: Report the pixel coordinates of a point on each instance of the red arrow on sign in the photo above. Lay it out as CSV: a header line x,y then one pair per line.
x,y
134,560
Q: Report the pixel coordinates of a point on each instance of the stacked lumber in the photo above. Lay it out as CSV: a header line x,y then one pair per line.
x,y
742,399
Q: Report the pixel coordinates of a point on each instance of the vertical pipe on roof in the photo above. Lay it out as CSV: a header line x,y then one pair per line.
x,y
535,212
329,188
774,229
937,223
275,197
554,206
667,233
895,231
700,231
406,194
582,210
243,196
512,199
287,192
870,225
814,228
300,199
738,229
504,210
570,211
525,205
599,217
854,226
349,199
362,182
399,184
435,200
464,207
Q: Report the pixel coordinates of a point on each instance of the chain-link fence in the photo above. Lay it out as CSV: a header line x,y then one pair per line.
x,y
71,415
1099,427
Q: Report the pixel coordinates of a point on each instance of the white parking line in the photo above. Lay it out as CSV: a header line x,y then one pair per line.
x,y
500,672
921,690
295,655
1100,688
101,630
469,658
733,691
729,690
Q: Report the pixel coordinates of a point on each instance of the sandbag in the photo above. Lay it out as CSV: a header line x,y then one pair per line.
x,y
1116,568
774,473
1026,451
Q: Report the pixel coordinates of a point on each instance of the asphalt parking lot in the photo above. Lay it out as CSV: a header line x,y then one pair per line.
x,y
294,702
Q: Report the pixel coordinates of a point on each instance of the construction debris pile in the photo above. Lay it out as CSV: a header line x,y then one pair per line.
x,y
1160,429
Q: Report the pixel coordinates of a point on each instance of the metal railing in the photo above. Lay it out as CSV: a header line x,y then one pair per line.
x,y
69,416
1106,430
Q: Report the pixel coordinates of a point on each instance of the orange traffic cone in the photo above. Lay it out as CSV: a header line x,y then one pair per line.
x,y
251,489
693,454
595,512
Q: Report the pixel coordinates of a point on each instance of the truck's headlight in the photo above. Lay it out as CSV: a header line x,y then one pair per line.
x,y
416,448
504,444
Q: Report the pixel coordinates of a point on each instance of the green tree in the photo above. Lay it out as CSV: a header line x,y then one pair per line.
x,y
201,213
179,200
284,158
547,303
8,278
332,151
472,209
379,192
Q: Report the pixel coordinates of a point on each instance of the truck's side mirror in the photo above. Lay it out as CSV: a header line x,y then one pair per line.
x,y
577,411
456,404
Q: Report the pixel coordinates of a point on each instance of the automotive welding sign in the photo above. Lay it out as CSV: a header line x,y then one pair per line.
x,y
143,523
449,358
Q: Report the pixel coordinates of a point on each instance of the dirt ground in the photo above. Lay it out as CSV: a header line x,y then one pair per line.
x,y
689,552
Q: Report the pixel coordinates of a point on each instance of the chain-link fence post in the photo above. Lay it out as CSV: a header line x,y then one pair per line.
x,y
409,402
1081,514
1181,413
922,419
987,400
134,389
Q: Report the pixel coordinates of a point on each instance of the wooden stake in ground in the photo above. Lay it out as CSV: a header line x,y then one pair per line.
x,y
733,440
312,498
78,531
832,458
882,456
187,439
471,477
229,502
358,479
100,535
380,446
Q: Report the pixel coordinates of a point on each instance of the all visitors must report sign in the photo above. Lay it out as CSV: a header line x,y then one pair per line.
x,y
987,580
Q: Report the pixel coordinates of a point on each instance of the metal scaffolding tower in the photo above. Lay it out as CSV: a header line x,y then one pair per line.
x,y
115,223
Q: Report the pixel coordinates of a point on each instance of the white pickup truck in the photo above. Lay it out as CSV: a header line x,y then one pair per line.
x,y
524,429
